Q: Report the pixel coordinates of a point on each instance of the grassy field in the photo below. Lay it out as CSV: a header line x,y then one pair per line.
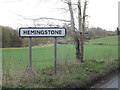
x,y
17,58
107,40
98,60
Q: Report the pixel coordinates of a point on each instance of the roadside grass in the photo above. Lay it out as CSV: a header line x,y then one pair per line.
x,y
69,75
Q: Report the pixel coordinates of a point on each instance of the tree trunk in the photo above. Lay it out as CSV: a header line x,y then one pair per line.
x,y
76,40
79,26
83,31
77,50
81,46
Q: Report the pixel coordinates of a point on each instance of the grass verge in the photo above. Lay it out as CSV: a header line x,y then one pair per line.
x,y
69,75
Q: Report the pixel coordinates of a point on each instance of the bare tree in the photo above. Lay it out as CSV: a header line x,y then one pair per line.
x,y
76,40
78,35
82,33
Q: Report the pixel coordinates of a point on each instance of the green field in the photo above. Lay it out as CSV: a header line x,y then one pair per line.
x,y
106,40
17,58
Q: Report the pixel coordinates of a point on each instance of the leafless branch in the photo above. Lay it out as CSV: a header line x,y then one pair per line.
x,y
84,14
11,1
64,10
54,19
65,1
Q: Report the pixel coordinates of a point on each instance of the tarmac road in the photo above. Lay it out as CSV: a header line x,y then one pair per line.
x,y
112,83
109,82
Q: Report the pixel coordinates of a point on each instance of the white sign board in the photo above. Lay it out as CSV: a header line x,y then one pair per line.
x,y
42,32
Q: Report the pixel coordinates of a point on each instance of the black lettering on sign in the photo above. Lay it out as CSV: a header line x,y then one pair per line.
x,y
32,32
38,32
45,31
52,32
60,32
25,32
56,32
48,31
42,32
28,32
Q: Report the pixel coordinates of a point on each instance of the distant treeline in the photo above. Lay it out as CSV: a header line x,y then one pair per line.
x,y
10,37
97,32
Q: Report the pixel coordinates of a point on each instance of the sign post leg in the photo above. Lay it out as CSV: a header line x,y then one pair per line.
x,y
30,53
55,54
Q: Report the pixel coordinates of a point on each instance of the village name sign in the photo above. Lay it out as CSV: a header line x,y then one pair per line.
x,y
42,32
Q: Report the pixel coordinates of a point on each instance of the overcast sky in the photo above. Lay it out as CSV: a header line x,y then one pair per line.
x,y
101,13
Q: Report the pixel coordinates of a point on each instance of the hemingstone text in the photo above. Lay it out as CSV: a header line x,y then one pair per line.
x,y
42,32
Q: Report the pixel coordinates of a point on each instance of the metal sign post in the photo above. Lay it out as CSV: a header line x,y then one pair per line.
x,y
55,54
30,53
42,32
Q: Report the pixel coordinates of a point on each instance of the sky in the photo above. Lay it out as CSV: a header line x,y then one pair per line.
x,y
101,13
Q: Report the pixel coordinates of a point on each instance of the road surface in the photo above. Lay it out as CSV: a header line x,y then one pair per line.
x,y
112,83
108,82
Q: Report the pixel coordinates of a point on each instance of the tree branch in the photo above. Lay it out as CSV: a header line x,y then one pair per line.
x,y
84,14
